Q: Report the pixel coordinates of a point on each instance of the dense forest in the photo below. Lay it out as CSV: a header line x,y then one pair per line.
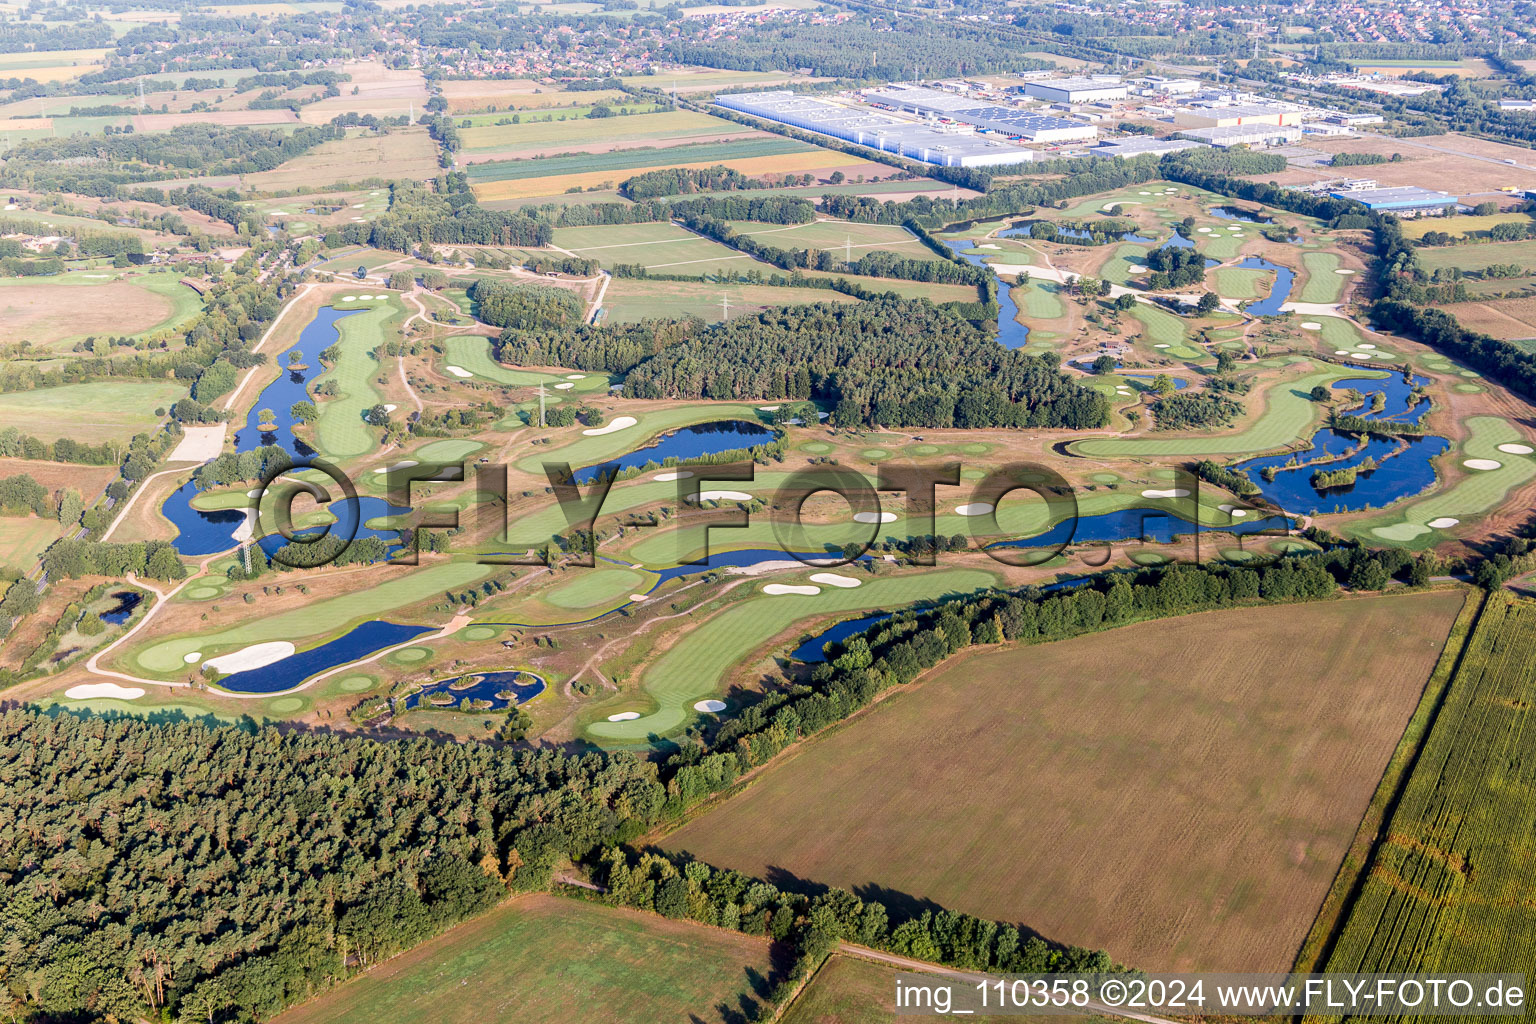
x,y
525,307
888,362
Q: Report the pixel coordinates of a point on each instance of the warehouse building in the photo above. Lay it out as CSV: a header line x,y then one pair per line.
x,y
1237,114
1023,124
925,143
1077,90
1404,200
1144,146
1254,135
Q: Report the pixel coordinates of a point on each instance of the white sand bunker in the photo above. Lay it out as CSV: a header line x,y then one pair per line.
x,y
349,298
1341,351
619,423
832,579
624,716
459,371
975,508
407,464
724,496
1233,510
1365,345
1137,268
1122,202
1162,345
254,656
674,474
989,246
767,408
637,597
85,691
1481,463
1444,522
710,705
1516,449
1233,227
1203,231
390,407
192,658
874,517
1343,270
575,376
1311,325
1172,492
790,588
558,387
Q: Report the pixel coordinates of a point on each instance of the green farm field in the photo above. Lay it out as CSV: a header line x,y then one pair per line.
x,y
839,237
92,413
664,247
633,159
1188,786
631,299
668,126
1465,226
696,663
1289,413
1449,886
547,960
1478,257
24,538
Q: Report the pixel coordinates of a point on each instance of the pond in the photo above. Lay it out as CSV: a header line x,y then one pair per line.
x,y
206,533
681,445
1078,234
127,601
1402,469
1233,213
812,650
520,687
1178,241
1143,523
1278,295
358,642
1010,333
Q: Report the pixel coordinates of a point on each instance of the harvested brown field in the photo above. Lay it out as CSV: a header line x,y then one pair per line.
x,y
1180,792
1503,318
403,153
504,94
49,314
381,91
88,480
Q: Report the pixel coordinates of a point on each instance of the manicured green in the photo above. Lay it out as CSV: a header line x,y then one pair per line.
x,y
1164,328
592,588
695,664
1323,284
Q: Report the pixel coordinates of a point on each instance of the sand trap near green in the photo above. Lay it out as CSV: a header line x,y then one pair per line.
x,y
1479,490
694,666
1289,414
590,588
399,586
1161,327
472,353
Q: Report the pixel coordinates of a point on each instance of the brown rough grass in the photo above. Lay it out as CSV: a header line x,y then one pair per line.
x,y
47,314
1177,792
1502,318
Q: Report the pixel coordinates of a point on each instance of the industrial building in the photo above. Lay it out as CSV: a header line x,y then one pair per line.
x,y
1404,200
1237,114
1024,124
1143,145
862,126
1255,135
1157,85
1077,90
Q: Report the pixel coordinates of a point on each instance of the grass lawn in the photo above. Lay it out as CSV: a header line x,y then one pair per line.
x,y
1118,269
592,588
623,163
1160,327
90,413
1237,283
1322,283
23,539
1289,414
693,667
341,430
390,588
1184,804
1041,300
1469,225
549,960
